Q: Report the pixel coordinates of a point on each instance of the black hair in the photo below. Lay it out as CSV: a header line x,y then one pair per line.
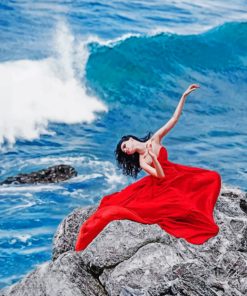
x,y
129,164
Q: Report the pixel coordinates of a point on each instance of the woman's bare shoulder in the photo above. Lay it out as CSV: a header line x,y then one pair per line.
x,y
155,138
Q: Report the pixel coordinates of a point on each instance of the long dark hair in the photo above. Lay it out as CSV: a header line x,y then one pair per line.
x,y
129,164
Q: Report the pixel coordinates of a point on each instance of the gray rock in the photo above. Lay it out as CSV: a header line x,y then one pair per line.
x,y
65,276
134,259
52,174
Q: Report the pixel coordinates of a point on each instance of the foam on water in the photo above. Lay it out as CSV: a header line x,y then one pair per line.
x,y
36,92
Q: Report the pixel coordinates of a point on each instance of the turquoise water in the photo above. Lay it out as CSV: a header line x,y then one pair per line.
x,y
75,76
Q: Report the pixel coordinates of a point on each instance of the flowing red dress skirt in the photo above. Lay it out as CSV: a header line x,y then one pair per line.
x,y
182,204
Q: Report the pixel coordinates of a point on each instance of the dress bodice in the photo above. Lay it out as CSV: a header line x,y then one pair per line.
x,y
168,166
162,155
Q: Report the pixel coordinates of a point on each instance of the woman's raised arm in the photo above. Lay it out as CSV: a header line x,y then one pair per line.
x,y
159,134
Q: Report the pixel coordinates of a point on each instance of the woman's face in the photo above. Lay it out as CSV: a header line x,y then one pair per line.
x,y
128,146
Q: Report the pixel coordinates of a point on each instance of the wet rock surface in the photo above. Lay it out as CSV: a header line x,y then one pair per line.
x,y
133,259
52,174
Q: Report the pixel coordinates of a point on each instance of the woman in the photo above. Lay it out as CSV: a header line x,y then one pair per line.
x,y
179,198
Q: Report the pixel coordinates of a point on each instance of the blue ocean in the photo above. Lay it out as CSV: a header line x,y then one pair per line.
x,y
75,76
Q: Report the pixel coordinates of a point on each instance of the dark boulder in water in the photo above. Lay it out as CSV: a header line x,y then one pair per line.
x,y
52,174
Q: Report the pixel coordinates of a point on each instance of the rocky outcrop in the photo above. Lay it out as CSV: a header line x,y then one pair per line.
x,y
65,276
129,258
52,174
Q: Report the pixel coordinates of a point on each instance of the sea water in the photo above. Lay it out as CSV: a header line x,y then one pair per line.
x,y
75,76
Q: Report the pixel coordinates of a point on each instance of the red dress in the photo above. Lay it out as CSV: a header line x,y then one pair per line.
x,y
182,204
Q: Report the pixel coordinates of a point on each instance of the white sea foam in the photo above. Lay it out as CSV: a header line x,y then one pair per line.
x,y
16,189
23,237
24,233
34,250
36,92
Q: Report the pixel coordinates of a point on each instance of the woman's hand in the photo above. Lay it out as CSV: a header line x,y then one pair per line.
x,y
159,170
150,150
191,88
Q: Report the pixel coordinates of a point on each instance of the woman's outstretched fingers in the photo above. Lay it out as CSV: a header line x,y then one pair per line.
x,y
194,86
191,88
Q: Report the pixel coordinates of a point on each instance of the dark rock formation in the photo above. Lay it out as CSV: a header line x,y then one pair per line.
x,y
133,259
52,174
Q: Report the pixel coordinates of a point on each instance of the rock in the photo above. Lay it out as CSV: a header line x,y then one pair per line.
x,y
243,205
134,259
65,276
52,174
65,236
